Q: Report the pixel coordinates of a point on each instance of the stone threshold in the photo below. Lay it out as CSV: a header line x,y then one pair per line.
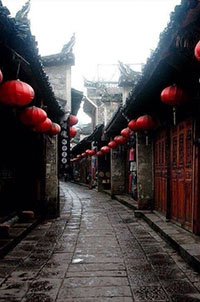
x,y
17,232
185,243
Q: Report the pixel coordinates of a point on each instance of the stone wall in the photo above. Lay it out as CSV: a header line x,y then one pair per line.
x,y
60,78
118,160
144,158
51,184
110,109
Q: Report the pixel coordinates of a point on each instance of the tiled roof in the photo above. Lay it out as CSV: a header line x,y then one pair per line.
x,y
16,36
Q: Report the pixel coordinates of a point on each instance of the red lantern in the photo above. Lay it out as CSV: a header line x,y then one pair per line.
x,y
92,152
55,129
197,51
16,92
120,139
173,95
105,149
83,154
100,153
73,120
133,125
145,122
126,132
72,132
32,116
44,126
87,151
1,76
112,144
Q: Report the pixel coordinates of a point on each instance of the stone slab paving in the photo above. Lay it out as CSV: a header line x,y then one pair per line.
x,y
96,251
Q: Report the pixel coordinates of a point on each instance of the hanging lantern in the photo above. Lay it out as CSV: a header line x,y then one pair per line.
x,y
73,120
55,129
121,140
126,132
112,144
100,153
44,126
133,125
173,95
105,149
92,153
1,77
16,92
197,51
145,122
72,132
84,154
87,151
32,116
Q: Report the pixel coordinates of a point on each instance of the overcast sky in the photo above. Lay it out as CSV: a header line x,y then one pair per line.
x,y
106,31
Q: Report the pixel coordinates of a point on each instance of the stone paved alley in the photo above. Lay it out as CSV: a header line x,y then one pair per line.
x,y
95,251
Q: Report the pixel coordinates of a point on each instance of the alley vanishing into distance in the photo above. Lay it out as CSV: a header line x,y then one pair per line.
x,y
95,251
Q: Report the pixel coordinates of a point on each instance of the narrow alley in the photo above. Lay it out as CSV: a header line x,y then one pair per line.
x,y
95,251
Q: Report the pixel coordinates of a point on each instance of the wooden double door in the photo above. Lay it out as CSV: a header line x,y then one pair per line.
x,y
175,181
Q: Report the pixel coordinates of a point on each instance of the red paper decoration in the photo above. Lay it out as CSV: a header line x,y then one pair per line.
x,y
120,139
72,132
112,144
16,92
126,132
145,122
173,95
32,116
105,149
73,120
133,125
197,51
55,129
44,126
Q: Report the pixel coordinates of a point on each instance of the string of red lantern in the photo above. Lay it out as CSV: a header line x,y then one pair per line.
x,y
16,92
132,125
32,116
55,129
1,77
173,95
112,144
72,132
126,132
100,153
105,149
145,122
197,51
120,140
73,120
44,126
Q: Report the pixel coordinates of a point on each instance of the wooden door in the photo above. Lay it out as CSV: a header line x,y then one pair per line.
x,y
161,172
181,173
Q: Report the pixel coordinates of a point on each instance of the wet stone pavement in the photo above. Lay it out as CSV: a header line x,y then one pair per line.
x,y
95,251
